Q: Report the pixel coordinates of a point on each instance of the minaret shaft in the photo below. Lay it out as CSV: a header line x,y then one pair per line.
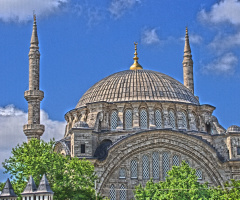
x,y
188,65
34,96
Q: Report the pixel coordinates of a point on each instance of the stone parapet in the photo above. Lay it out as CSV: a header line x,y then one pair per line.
x,y
33,130
33,95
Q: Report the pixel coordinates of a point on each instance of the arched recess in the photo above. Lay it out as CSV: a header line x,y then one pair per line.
x,y
194,148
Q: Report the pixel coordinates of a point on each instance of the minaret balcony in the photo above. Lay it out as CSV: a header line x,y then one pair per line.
x,y
30,129
34,94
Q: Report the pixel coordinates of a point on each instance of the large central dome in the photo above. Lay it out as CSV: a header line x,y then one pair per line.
x,y
138,85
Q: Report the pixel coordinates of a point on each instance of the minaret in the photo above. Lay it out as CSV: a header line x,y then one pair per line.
x,y
34,96
188,65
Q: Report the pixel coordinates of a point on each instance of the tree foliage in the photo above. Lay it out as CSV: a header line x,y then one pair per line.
x,y
1,186
70,178
181,183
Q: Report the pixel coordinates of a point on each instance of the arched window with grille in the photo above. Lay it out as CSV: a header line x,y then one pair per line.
x,y
143,119
145,167
128,119
192,121
114,120
122,173
183,120
122,193
158,119
199,174
112,193
187,162
134,169
155,165
172,119
165,164
175,160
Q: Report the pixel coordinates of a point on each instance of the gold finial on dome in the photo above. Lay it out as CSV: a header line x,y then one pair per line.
x,y
135,65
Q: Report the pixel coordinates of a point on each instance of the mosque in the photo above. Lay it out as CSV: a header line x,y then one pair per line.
x,y
136,124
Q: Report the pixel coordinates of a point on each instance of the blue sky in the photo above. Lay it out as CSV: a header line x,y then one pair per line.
x,y
83,41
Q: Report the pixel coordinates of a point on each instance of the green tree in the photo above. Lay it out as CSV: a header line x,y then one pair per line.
x,y
70,178
1,186
181,183
231,191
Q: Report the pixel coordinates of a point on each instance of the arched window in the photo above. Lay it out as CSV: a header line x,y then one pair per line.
x,y
175,160
114,120
122,193
193,122
133,169
165,164
145,167
187,162
184,120
155,165
122,173
199,174
112,193
143,119
158,119
128,119
172,119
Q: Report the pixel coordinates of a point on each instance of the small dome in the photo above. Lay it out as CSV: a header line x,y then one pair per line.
x,y
138,85
233,129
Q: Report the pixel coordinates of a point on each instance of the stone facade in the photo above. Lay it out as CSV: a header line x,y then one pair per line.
x,y
192,134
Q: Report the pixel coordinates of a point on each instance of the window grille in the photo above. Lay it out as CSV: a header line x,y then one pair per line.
x,y
133,169
184,120
238,150
143,119
165,163
114,120
193,122
122,173
122,193
175,160
158,119
199,174
155,164
112,193
187,161
145,167
128,119
172,119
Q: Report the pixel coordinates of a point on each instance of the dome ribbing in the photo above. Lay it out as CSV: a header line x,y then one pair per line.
x,y
138,85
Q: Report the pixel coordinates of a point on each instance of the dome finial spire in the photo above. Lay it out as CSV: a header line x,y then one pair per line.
x,y
135,65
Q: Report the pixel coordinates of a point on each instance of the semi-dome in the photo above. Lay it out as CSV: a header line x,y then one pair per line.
x,y
138,85
233,129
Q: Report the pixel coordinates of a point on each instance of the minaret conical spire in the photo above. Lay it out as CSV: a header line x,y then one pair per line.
x,y
135,65
188,65
34,38
34,96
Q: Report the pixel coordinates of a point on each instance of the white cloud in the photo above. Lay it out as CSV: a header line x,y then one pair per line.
x,y
223,11
194,39
223,65
149,36
22,10
11,131
223,43
119,7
